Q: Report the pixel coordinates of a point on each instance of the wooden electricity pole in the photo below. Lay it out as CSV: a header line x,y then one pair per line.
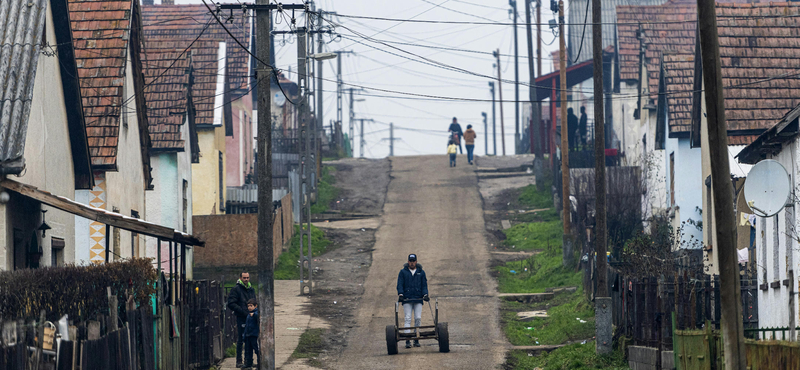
x,y
562,68
513,4
730,293
602,300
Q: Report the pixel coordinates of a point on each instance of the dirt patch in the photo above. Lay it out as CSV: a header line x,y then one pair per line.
x,y
362,184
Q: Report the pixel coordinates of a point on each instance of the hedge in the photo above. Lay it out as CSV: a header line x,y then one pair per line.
x,y
78,291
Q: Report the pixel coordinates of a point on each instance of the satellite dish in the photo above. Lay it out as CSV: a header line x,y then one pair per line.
x,y
279,99
767,188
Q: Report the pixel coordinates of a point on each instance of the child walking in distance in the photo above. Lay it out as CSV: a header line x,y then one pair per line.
x,y
451,150
251,334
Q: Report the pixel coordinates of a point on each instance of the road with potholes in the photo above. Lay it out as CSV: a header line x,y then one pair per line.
x,y
436,212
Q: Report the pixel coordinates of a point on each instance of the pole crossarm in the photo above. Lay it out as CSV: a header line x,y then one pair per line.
x,y
251,6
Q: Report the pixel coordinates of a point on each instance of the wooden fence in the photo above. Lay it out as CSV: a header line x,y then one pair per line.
x,y
186,331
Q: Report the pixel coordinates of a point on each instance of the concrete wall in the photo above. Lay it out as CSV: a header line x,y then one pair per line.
x,y
48,161
775,258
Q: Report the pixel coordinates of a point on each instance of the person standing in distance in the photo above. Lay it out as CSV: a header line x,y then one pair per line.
x,y
469,142
455,129
237,302
412,289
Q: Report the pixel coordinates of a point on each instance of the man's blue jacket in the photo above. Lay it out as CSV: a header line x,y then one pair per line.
x,y
412,287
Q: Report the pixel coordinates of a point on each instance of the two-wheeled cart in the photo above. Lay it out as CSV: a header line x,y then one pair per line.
x,y
437,331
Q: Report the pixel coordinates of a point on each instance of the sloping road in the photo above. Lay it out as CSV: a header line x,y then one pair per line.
x,y
436,212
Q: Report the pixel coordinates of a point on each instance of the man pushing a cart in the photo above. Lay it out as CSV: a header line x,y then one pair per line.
x,y
412,289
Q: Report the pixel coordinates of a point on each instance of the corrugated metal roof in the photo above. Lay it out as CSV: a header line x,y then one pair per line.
x,y
576,17
21,24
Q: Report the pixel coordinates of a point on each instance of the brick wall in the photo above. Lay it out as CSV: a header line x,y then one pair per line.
x,y
232,242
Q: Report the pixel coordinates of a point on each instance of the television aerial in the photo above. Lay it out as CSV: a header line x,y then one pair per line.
x,y
767,188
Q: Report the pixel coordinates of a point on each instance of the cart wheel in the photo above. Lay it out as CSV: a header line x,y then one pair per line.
x,y
444,337
391,339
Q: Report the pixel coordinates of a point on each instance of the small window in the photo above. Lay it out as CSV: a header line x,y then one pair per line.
x,y
185,205
672,179
57,251
134,238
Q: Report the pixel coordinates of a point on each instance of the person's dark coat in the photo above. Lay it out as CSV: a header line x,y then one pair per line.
x,y
251,326
582,128
455,127
412,287
572,129
237,300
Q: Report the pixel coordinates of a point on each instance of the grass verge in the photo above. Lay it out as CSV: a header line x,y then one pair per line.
x,y
575,356
563,324
326,191
310,346
532,197
534,235
287,267
537,273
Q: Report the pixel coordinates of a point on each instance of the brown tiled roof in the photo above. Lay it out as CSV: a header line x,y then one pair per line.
x,y
679,79
760,57
187,22
667,28
100,29
166,74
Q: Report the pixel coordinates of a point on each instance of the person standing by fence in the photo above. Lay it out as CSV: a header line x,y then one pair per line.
x,y
237,302
251,332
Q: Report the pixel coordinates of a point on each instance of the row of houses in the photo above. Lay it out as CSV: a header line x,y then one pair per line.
x,y
120,121
655,122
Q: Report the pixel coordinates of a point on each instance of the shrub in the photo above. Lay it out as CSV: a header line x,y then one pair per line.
x,y
77,291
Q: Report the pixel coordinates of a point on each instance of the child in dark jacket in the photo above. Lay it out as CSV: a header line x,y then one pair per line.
x,y
251,329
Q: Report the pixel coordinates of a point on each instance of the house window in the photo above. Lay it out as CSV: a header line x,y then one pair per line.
x,y
672,179
134,238
56,251
185,204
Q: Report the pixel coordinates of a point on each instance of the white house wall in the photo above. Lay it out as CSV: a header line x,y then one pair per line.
x,y
775,260
48,158
688,189
165,202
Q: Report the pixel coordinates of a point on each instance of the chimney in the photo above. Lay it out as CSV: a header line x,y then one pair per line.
x,y
147,2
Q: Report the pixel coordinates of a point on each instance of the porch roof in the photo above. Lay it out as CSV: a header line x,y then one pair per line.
x,y
101,215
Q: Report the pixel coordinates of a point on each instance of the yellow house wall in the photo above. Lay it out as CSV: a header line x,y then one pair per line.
x,y
205,175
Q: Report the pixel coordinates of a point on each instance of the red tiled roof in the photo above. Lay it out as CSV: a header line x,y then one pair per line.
x,y
679,80
204,55
166,94
760,57
187,22
100,33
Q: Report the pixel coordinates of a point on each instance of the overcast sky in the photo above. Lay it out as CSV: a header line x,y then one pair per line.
x,y
383,66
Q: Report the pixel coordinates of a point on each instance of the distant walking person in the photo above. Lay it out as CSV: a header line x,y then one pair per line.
x,y
251,331
237,302
572,130
456,133
582,125
412,289
469,142
451,151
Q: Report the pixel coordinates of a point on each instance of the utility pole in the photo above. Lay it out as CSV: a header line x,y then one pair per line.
x,y
339,86
319,98
500,91
362,142
265,74
730,293
391,139
352,119
494,126
535,127
602,301
485,134
307,166
562,68
513,4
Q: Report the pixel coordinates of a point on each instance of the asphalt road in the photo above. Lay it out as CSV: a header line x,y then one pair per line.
x,y
436,212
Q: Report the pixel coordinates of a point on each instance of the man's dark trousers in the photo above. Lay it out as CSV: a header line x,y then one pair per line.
x,y
240,340
250,346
